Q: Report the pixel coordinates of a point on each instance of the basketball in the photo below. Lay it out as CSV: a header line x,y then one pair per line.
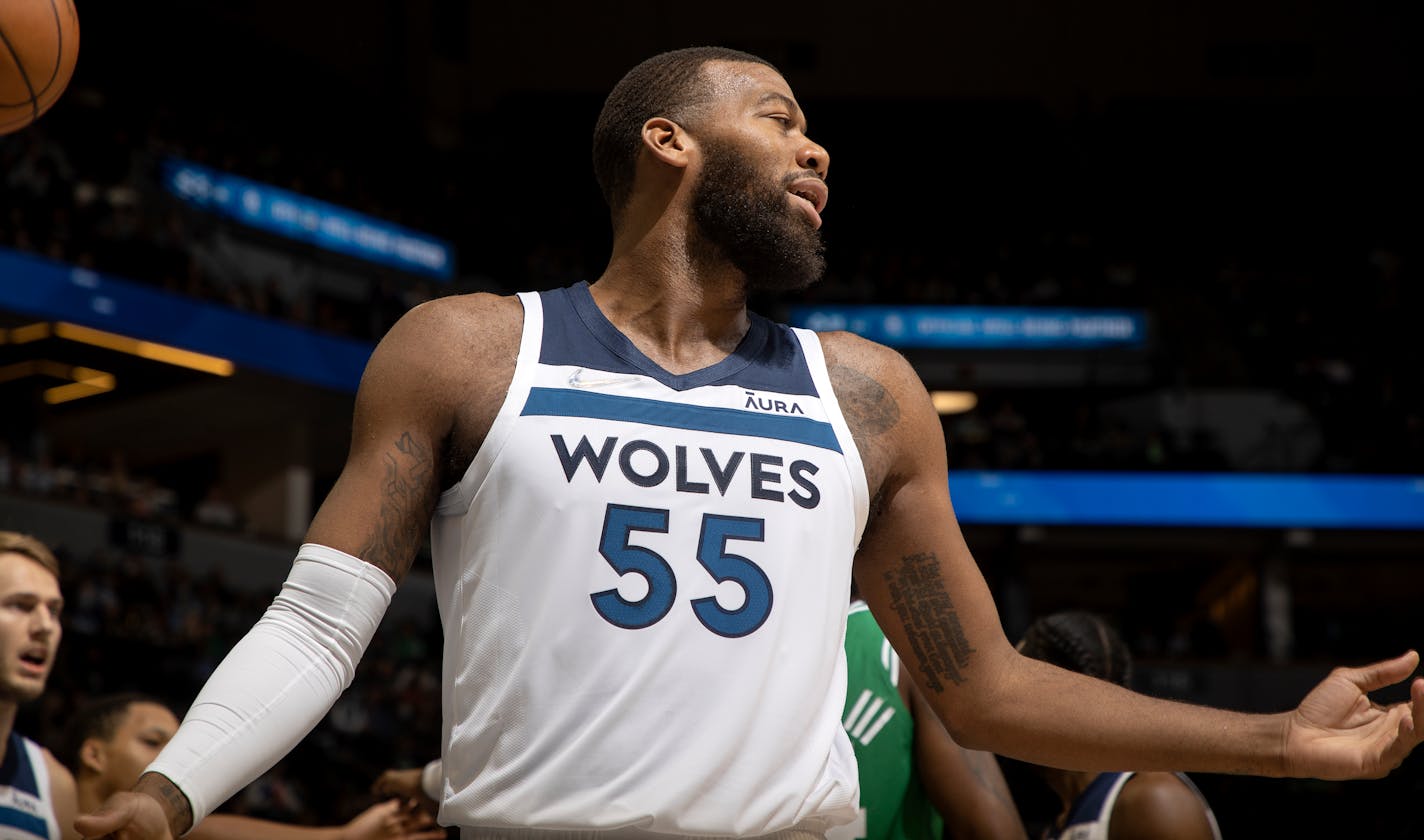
x,y
39,42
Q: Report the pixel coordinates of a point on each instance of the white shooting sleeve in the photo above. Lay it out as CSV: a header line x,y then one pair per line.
x,y
432,780
280,680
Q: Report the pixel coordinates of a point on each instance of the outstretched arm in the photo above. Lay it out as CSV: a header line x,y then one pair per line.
x,y
280,680
916,573
389,820
966,787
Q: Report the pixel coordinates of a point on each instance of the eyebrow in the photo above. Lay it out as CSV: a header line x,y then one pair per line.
x,y
36,597
773,96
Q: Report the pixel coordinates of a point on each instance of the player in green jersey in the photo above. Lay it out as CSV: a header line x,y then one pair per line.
x,y
911,771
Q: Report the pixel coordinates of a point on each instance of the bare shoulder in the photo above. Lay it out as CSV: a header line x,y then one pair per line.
x,y
455,326
447,349
882,398
58,773
1154,805
64,795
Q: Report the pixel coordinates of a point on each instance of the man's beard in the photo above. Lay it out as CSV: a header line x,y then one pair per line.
x,y
751,223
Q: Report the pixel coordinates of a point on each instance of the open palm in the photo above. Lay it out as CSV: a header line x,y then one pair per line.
x,y
1337,732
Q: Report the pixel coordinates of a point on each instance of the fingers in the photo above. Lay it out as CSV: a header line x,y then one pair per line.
x,y
106,820
1416,704
1408,728
1380,674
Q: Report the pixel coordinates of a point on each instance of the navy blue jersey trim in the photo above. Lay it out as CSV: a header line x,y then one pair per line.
x,y
17,773
576,332
560,402
24,822
15,770
1088,807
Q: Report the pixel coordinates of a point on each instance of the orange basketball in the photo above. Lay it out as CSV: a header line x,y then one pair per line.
x,y
39,42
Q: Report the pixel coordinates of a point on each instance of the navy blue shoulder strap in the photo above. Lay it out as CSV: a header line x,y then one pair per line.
x,y
768,358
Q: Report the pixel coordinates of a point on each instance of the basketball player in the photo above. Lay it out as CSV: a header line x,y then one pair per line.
x,y
111,740
644,502
1099,806
37,800
915,781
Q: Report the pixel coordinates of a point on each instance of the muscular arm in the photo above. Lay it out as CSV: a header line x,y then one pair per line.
x,y
966,787
387,820
916,574
428,395
234,827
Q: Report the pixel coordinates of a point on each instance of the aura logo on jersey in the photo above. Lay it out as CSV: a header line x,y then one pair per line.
x,y
768,404
689,472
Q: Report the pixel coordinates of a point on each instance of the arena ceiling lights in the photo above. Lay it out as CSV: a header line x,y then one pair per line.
x,y
83,381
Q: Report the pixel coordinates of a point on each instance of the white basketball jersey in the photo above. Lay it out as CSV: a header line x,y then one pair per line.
x,y
26,803
642,579
1090,815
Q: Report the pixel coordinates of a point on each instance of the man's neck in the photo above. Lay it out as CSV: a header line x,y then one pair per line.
x,y
684,313
91,790
8,708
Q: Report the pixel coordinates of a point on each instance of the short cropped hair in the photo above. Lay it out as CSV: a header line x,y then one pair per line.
x,y
670,85
99,718
13,542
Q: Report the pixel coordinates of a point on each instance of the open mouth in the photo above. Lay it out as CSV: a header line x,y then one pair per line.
x,y
34,660
811,195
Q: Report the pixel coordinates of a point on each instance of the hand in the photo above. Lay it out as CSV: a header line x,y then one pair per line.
x,y
126,816
405,784
1338,733
392,820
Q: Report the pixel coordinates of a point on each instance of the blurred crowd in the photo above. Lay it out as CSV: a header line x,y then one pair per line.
x,y
1321,322
144,623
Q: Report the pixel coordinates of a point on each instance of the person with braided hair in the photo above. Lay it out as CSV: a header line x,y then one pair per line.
x,y
1114,805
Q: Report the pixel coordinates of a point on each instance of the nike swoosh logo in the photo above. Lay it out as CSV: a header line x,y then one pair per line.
x,y
581,379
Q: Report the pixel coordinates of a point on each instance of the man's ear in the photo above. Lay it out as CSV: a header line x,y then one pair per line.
x,y
668,142
92,756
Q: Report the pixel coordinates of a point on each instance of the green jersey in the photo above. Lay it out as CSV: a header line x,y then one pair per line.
x,y
893,804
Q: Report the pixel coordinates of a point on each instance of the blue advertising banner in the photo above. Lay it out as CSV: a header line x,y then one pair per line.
x,y
981,327
1241,500
53,291
304,219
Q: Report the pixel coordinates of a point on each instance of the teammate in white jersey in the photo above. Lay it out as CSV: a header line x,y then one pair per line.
x,y
37,796
617,638
1100,806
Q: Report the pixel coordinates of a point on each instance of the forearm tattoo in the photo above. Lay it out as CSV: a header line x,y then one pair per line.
x,y
931,622
408,496
179,811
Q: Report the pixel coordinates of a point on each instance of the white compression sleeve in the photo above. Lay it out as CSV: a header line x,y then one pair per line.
x,y
432,779
280,680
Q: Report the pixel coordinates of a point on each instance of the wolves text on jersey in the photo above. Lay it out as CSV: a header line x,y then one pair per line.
x,y
692,473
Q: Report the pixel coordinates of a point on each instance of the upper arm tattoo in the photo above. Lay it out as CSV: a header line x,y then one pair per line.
x,y
408,494
930,619
869,409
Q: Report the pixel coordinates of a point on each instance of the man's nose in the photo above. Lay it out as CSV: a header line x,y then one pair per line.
x,y
814,156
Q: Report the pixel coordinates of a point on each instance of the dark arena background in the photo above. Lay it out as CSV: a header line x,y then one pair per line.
x,y
1161,259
